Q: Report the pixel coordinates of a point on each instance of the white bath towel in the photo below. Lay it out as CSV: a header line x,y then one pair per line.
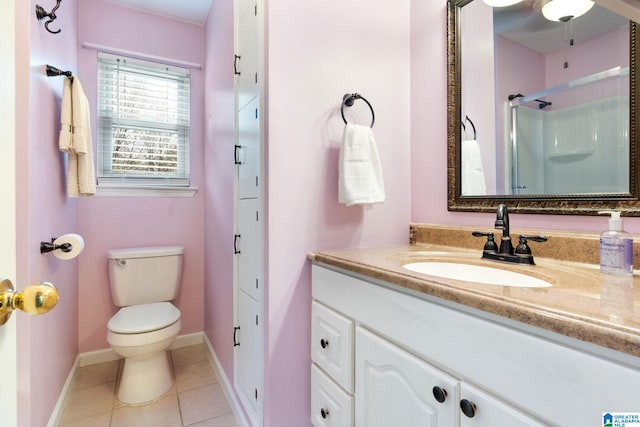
x,y
360,179
75,139
473,183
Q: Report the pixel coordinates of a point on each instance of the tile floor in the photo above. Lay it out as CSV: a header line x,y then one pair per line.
x,y
196,398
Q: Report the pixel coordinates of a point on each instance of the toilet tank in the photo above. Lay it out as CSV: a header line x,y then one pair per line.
x,y
145,275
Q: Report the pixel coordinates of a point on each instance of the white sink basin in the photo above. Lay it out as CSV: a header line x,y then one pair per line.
x,y
476,274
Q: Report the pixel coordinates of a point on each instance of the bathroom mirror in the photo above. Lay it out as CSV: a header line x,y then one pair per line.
x,y
541,114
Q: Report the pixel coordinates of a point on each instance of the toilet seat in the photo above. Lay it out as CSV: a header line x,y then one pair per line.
x,y
143,318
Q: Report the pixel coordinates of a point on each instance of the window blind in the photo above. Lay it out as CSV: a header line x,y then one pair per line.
x,y
143,122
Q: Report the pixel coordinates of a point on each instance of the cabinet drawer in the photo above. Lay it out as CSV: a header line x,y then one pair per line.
x,y
330,405
332,344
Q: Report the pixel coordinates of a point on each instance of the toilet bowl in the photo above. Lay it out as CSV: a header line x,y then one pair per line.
x,y
143,281
141,334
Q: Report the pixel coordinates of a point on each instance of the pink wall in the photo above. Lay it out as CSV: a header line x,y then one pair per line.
x,y
120,222
317,52
44,212
219,175
429,133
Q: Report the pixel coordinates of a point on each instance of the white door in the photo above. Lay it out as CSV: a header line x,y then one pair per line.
x,y
484,410
395,388
8,357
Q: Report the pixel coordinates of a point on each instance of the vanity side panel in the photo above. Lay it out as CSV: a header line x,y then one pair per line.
x,y
561,385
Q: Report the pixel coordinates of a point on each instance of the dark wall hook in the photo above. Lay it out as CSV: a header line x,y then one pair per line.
x,y
42,14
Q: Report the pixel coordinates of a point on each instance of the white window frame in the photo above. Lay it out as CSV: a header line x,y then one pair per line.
x,y
131,183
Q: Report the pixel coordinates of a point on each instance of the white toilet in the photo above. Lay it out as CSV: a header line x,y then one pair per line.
x,y
143,281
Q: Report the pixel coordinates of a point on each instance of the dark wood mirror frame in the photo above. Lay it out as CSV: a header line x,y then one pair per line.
x,y
590,204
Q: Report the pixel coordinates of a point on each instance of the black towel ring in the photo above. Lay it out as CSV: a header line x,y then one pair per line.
x,y
348,99
467,119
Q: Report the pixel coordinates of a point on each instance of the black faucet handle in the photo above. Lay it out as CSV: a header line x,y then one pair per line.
x,y
533,238
490,245
523,248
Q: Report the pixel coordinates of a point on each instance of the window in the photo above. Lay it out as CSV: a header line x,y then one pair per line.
x,y
143,123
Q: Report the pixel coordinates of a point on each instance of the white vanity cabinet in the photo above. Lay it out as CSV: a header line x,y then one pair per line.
x,y
408,347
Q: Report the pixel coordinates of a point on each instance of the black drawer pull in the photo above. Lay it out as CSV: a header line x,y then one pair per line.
x,y
439,394
468,408
324,413
324,343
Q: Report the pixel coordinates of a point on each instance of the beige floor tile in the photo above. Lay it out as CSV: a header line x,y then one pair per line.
x,y
96,374
162,413
187,355
203,403
194,375
227,420
102,420
89,401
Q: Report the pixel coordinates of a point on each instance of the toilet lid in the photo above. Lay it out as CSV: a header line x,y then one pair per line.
x,y
136,319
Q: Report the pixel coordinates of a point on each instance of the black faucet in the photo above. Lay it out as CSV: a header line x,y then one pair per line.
x,y
502,223
520,255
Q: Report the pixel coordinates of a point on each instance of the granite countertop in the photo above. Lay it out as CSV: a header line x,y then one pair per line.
x,y
582,303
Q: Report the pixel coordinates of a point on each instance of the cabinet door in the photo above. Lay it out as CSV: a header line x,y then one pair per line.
x,y
330,405
395,388
249,349
248,52
247,151
489,411
247,246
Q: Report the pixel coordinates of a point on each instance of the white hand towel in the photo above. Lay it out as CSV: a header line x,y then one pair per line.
x,y
473,183
75,138
66,119
360,178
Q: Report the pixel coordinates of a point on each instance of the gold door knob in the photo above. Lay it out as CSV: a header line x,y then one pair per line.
x,y
34,299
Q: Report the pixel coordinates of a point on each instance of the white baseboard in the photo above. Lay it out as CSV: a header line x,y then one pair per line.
x,y
227,388
56,414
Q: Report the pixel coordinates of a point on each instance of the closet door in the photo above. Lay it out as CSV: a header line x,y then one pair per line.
x,y
247,151
249,348
247,56
247,246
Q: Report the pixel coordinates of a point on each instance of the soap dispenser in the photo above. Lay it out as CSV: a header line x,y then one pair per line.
x,y
616,248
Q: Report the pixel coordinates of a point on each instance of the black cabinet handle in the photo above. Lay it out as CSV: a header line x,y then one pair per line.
x,y
324,413
324,343
439,394
236,159
235,244
235,64
235,331
468,408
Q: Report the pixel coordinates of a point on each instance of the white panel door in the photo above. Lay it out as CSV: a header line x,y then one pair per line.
x,y
395,388
247,54
247,151
247,247
249,349
487,411
8,357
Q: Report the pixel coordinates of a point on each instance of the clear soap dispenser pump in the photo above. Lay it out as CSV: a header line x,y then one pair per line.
x,y
616,248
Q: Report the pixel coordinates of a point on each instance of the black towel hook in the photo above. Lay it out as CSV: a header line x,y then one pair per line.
x,y
348,99
41,14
